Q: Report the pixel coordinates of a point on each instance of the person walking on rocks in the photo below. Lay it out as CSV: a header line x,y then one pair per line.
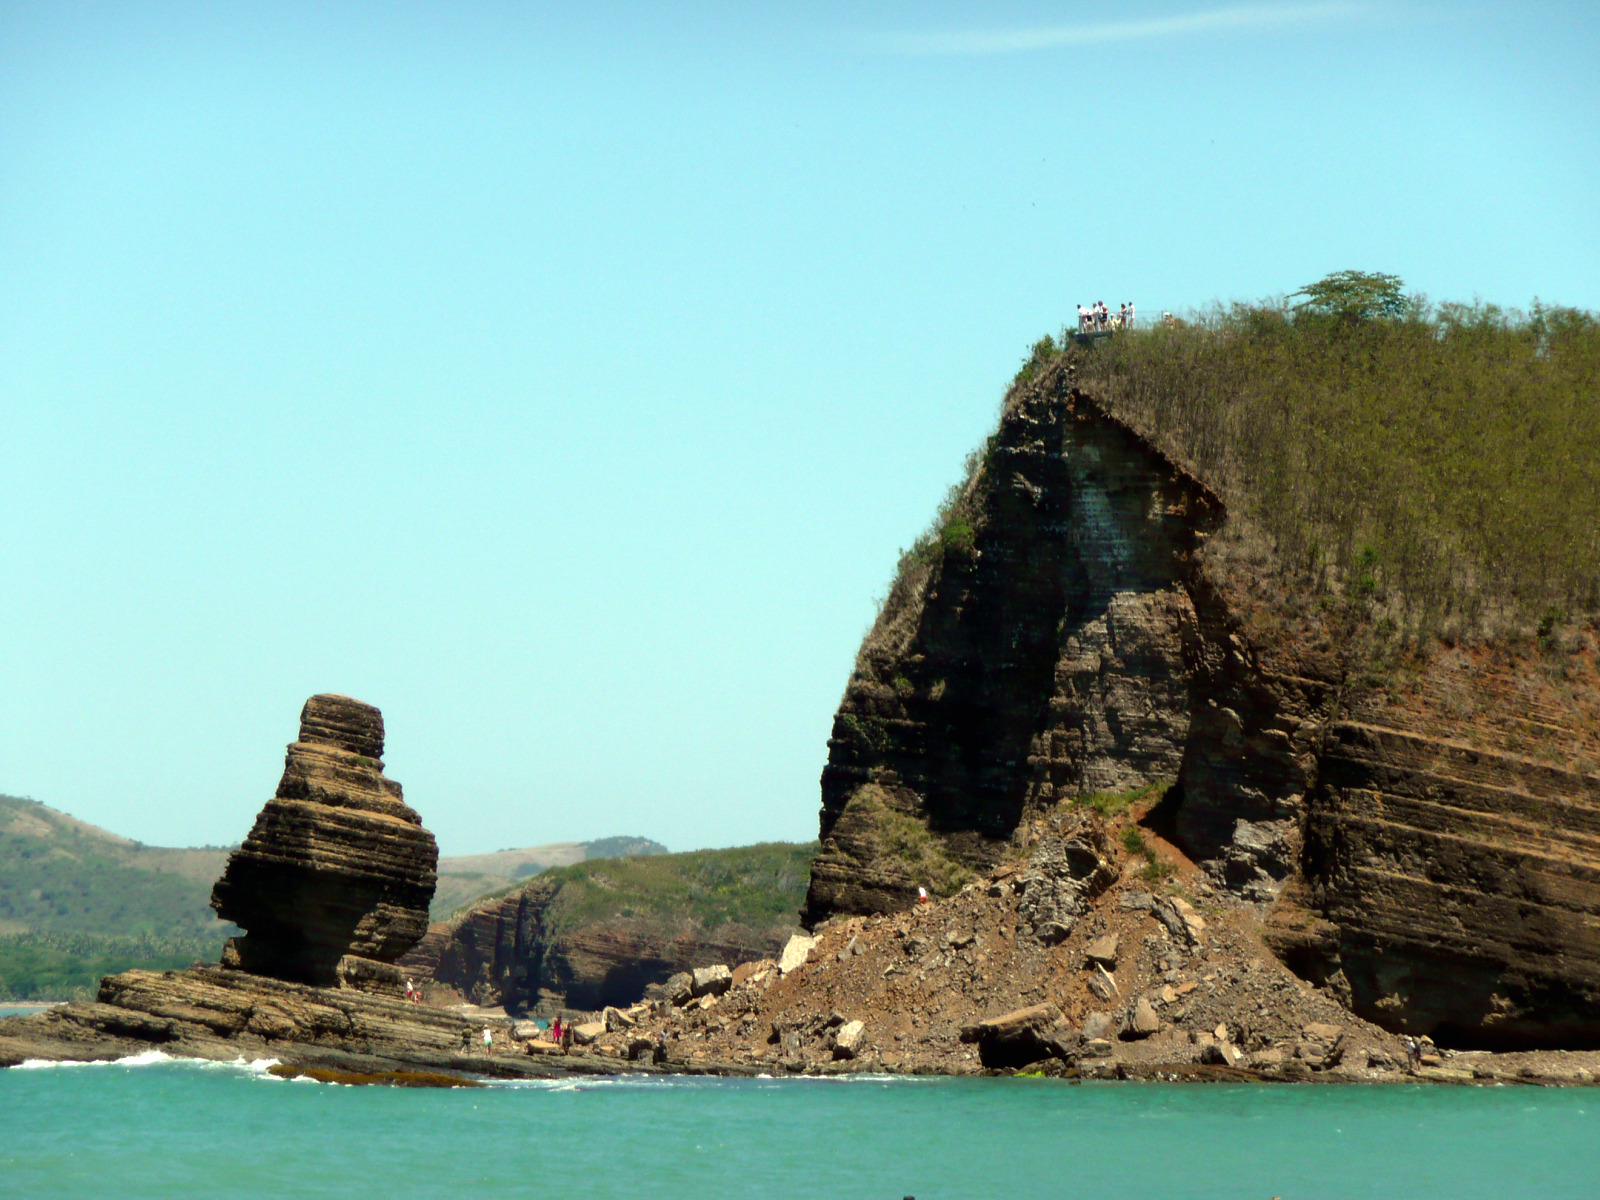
x,y
566,1038
922,894
488,1041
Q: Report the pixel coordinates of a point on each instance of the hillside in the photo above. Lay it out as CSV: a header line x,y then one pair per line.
x,y
78,902
466,878
59,875
1324,582
599,932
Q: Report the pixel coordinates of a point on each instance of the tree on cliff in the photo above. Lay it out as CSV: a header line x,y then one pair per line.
x,y
1355,296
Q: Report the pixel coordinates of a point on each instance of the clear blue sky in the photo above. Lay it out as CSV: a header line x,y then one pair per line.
x,y
564,378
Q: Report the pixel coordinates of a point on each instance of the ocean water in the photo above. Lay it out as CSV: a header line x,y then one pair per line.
x,y
155,1127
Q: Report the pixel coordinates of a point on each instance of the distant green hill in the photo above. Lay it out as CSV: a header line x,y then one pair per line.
x,y
758,886
78,902
59,875
465,879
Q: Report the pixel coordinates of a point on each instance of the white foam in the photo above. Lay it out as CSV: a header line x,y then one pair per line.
x,y
153,1058
146,1059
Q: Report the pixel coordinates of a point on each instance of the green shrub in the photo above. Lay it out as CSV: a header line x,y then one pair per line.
x,y
1441,461
1111,804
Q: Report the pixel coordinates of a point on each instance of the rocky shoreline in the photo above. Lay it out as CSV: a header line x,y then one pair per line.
x,y
1061,962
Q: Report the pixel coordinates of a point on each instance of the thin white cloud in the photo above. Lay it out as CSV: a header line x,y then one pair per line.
x,y
1219,20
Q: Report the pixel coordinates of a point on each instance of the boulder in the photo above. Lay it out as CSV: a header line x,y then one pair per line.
x,y
848,1041
337,868
1098,1025
586,1033
1222,1054
795,953
1102,952
1097,1048
1020,1037
615,1020
752,971
712,981
1181,920
679,988
1142,1020
1137,901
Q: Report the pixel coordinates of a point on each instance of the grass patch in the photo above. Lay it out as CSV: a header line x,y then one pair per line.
x,y
905,839
1113,804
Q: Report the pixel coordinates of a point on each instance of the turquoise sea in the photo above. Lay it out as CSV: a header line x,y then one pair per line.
x,y
151,1127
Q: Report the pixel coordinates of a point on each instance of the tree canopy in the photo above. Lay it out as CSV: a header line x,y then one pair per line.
x,y
1355,296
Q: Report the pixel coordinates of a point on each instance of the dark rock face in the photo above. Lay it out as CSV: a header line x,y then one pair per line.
x,y
510,952
333,883
1048,663
1419,860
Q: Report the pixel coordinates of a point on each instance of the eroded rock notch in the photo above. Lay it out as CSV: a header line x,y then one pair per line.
x,y
334,881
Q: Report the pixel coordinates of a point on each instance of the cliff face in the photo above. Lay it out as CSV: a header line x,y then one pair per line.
x,y
1046,663
1435,864
600,933
333,883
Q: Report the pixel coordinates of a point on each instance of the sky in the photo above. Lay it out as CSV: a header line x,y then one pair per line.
x,y
564,379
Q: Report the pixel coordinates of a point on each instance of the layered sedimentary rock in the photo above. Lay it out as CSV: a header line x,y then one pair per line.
x,y
223,1015
1431,852
1047,661
333,883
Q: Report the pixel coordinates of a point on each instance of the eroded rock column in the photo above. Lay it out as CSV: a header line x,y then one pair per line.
x,y
334,881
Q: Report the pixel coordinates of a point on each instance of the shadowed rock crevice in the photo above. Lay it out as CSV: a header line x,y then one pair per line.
x,y
334,881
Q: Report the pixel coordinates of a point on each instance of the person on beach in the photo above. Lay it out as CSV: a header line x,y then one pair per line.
x,y
488,1041
566,1037
555,1030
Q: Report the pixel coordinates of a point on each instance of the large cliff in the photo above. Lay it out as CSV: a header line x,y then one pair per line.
x,y
1425,843
599,933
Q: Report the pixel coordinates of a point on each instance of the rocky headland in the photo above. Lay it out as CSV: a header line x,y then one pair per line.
x,y
1425,846
1177,817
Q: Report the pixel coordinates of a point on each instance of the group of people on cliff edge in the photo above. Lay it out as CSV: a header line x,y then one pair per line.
x,y
1097,318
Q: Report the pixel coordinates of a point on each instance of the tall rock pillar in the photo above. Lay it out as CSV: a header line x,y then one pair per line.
x,y
334,881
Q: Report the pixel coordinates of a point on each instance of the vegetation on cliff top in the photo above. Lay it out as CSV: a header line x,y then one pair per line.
x,y
1437,466
758,886
1440,463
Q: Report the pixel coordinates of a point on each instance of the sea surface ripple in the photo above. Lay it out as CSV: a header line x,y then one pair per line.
x,y
159,1127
